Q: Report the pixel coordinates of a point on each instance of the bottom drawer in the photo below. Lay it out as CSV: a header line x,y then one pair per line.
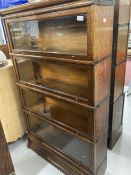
x,y
65,165
80,152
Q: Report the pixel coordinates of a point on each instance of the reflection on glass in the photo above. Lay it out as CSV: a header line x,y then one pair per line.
x,y
25,35
122,44
61,112
67,35
68,144
68,78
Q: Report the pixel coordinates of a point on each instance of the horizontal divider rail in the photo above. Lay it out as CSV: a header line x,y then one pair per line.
x,y
68,60
75,133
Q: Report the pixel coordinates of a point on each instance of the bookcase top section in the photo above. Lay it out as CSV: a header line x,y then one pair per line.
x,y
48,3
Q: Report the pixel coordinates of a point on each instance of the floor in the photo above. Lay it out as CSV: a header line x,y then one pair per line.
x,y
26,162
128,72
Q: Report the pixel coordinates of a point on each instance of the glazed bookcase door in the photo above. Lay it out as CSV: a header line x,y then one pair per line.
x,y
71,80
86,122
62,60
119,57
122,45
124,11
69,34
62,141
74,81
65,144
57,35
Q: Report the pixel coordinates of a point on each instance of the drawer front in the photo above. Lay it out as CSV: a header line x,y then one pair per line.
x,y
74,148
122,43
66,158
68,33
119,80
78,120
63,163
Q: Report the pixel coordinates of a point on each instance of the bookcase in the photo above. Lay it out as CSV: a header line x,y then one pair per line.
x,y
62,61
119,57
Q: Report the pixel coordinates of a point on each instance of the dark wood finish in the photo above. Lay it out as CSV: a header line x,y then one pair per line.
x,y
66,161
63,69
122,43
120,31
6,166
76,85
37,5
119,56
69,116
124,11
78,40
119,80
115,121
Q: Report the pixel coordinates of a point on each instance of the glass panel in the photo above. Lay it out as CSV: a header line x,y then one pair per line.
x,y
122,42
63,113
118,113
68,144
70,79
67,35
124,11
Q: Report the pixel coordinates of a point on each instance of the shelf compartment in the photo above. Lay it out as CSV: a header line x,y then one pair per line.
x,y
85,122
69,147
66,33
119,80
124,11
74,81
115,121
121,53
68,144
60,161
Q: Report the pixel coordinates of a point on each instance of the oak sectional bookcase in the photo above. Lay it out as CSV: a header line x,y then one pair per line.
x,y
119,57
61,51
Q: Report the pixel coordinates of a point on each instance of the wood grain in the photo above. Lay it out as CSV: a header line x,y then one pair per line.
x,y
102,144
119,80
102,76
63,71
101,31
124,11
116,121
78,82
61,33
88,123
6,166
119,56
122,43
